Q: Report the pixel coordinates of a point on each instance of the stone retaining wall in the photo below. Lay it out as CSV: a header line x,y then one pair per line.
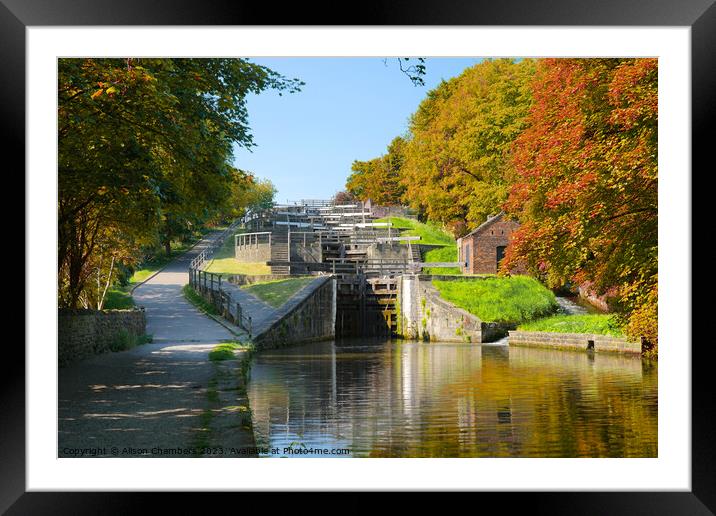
x,y
387,251
253,253
573,341
310,315
425,315
83,333
250,279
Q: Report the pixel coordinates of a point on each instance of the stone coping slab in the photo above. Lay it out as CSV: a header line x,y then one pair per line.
x,y
574,341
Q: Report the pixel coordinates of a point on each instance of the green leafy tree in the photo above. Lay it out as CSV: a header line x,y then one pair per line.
x,y
144,152
249,193
457,160
380,179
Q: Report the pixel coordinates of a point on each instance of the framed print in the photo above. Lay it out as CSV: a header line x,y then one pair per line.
x,y
450,245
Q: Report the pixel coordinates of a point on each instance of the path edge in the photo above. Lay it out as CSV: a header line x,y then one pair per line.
x,y
131,291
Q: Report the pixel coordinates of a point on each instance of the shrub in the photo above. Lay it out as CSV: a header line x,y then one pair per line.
x,y
226,351
117,299
125,340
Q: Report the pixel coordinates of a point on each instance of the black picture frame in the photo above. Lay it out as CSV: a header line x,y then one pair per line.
x,y
700,15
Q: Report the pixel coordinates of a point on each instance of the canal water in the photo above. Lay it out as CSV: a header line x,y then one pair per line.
x,y
413,399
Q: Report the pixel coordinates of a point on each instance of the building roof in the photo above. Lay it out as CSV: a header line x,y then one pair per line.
x,y
489,222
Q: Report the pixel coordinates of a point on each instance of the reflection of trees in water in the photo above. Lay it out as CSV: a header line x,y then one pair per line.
x,y
411,399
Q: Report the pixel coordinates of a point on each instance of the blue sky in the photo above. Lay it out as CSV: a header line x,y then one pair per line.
x,y
350,108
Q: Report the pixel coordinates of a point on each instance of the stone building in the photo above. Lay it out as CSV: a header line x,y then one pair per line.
x,y
481,250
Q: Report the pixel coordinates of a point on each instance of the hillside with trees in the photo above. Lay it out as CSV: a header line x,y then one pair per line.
x,y
568,147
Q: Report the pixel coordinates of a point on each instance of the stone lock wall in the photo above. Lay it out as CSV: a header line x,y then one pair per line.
x,y
424,315
443,321
253,253
311,252
308,316
83,333
386,251
250,279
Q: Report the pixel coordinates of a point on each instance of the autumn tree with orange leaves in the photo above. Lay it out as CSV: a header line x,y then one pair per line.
x,y
585,183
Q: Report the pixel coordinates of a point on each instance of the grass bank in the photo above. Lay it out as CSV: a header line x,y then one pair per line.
x,y
442,254
428,233
277,292
224,262
600,324
516,299
231,266
158,261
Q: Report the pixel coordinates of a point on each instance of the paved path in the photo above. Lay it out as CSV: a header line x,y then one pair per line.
x,y
158,395
262,314
170,317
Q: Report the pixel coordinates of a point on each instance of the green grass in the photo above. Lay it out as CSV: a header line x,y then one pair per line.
x,y
232,266
159,261
442,254
515,299
125,340
277,292
428,233
224,262
600,324
225,351
118,299
195,299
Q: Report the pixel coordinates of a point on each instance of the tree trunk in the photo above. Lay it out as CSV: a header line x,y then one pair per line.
x,y
100,304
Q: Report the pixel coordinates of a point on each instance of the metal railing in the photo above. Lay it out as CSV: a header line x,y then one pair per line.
x,y
208,285
205,255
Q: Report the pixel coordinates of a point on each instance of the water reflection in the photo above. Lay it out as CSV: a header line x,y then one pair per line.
x,y
410,399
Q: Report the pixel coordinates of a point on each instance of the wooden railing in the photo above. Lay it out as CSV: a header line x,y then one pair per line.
x,y
244,240
381,266
316,202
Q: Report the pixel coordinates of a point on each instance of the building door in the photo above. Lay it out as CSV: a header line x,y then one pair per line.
x,y
500,255
467,258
